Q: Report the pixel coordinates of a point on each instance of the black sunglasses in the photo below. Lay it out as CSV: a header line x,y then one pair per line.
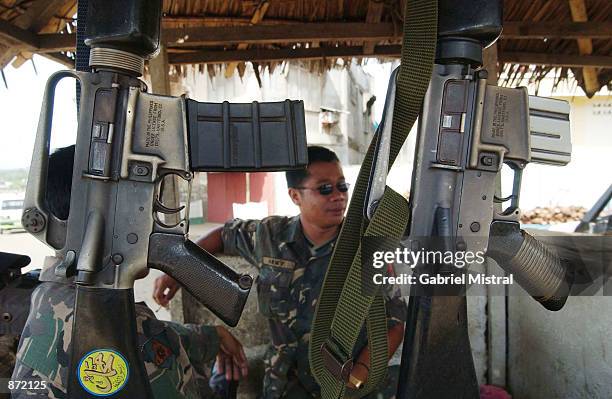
x,y
328,188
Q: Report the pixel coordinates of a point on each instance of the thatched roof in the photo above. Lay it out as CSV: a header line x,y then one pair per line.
x,y
538,35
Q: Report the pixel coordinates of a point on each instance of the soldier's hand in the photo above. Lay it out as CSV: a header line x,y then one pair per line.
x,y
164,289
231,359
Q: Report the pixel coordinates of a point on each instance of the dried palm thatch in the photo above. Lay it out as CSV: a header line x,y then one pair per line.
x,y
555,11
320,32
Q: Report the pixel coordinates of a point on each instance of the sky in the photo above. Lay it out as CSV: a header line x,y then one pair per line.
x,y
20,107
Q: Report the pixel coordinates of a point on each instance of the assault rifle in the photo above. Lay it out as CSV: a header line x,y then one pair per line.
x,y
128,142
467,131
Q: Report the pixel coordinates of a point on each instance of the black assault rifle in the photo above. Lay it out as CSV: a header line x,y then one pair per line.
x,y
128,142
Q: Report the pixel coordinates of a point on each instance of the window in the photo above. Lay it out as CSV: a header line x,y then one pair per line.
x,y
12,204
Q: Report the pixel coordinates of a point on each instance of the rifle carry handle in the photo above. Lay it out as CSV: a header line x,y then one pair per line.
x,y
37,219
216,286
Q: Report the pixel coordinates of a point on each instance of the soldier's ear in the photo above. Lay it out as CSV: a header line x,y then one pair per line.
x,y
295,196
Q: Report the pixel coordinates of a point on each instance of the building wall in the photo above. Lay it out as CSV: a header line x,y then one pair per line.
x,y
584,179
554,355
335,115
343,92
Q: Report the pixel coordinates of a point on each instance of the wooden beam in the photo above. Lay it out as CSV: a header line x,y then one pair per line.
x,y
253,34
24,38
553,30
42,43
312,32
489,62
374,15
585,47
172,21
392,51
54,42
38,14
557,60
60,58
358,31
312,53
258,15
262,34
160,84
34,19
159,69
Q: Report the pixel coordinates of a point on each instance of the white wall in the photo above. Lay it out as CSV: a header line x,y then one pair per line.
x,y
585,178
340,90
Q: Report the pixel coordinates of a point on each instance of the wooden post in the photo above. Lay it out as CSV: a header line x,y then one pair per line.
x,y
374,15
160,84
257,17
585,47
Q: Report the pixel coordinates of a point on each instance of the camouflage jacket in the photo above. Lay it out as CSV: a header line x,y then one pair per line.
x,y
175,355
291,274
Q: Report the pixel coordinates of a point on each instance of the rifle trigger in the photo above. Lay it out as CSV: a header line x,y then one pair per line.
x,y
66,268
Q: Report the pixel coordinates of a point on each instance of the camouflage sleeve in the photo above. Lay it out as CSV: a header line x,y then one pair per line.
x,y
8,349
240,239
176,355
43,348
199,342
279,359
202,345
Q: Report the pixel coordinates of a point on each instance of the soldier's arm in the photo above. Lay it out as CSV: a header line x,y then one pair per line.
x,y
395,335
212,241
239,238
204,343
396,317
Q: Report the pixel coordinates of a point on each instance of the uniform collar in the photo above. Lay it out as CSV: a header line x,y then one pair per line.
x,y
294,236
293,231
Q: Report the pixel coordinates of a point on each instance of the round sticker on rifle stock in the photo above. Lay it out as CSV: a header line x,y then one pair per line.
x,y
103,372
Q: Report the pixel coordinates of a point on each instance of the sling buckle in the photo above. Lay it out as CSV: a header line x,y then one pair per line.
x,y
339,369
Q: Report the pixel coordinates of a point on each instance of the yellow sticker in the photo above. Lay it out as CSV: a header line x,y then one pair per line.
x,y
103,372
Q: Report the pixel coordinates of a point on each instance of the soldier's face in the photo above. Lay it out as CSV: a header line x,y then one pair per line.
x,y
316,207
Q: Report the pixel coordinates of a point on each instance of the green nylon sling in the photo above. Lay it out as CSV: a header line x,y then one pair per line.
x,y
342,308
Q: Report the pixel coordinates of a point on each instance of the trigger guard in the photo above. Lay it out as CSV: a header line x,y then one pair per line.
x,y
159,207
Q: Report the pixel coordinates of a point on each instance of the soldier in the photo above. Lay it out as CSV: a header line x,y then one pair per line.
x,y
292,255
15,290
175,355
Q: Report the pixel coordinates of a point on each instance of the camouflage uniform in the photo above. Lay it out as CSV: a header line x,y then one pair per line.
x,y
15,290
175,355
291,273
8,346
